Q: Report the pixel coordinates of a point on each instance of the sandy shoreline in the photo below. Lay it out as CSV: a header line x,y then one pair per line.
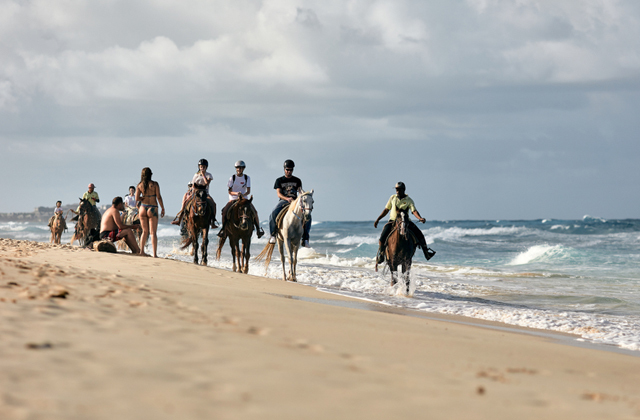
x,y
102,336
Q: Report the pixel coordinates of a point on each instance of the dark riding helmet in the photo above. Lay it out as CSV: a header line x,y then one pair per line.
x,y
203,162
289,164
400,186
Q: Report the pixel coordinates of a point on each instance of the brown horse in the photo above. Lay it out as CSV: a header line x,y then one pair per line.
x,y
239,227
88,218
57,226
197,219
401,245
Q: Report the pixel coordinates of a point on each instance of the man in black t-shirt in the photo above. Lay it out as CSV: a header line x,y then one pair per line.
x,y
287,188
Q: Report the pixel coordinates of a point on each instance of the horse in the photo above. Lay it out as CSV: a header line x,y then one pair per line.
x,y
57,226
88,218
291,222
197,219
239,227
130,217
401,246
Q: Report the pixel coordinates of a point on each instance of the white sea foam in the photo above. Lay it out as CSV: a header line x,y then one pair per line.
x,y
455,233
357,240
538,253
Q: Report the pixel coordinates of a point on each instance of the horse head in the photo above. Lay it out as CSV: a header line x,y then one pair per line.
x,y
200,207
401,223
243,213
306,204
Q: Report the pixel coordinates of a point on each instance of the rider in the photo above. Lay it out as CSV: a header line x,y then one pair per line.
x,y
93,198
287,188
56,211
178,219
200,181
239,185
400,202
130,199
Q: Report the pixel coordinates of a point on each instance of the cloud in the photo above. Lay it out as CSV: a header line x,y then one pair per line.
x,y
485,92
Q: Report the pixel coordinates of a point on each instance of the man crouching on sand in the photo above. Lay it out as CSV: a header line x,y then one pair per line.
x,y
113,229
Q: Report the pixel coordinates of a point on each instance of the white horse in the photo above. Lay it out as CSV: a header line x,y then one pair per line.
x,y
290,233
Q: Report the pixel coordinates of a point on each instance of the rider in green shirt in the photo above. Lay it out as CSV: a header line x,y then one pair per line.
x,y
397,203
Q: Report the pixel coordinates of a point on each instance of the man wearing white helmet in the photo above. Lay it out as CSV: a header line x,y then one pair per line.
x,y
401,202
239,185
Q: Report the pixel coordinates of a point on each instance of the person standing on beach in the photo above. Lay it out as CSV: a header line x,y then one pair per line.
x,y
201,180
113,228
239,185
398,202
287,188
147,198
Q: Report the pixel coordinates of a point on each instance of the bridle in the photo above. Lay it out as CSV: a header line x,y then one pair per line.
x,y
305,209
245,219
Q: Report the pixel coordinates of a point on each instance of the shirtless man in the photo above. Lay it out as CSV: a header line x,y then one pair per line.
x,y
113,228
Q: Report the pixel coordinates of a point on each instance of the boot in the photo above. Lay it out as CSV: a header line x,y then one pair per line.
x,y
260,232
428,252
221,234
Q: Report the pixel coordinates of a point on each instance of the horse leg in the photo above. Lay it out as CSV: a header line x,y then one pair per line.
x,y
283,259
246,245
195,250
294,262
205,244
234,252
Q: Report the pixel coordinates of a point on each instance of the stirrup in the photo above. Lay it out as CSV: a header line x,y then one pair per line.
x,y
428,253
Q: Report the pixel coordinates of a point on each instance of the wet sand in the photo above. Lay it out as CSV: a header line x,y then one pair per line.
x,y
113,336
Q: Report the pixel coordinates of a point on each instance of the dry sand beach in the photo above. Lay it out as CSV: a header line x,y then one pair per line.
x,y
87,335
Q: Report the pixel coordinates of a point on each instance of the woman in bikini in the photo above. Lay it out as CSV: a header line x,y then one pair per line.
x,y
147,198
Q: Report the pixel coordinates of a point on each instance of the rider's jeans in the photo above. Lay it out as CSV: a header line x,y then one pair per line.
x,y
274,214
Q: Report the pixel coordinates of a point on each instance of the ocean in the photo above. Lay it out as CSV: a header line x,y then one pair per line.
x,y
574,276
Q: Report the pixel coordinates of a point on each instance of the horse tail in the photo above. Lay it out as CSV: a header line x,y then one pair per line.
x,y
266,254
191,231
220,245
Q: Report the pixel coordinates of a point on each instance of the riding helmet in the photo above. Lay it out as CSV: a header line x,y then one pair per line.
x,y
203,162
400,186
289,164
240,164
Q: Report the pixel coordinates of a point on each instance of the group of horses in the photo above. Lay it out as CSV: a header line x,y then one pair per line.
x,y
239,229
401,245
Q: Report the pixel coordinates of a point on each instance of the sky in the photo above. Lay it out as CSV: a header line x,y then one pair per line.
x,y
486,109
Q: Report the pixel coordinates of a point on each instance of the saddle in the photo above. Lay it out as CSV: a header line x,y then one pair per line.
x,y
280,217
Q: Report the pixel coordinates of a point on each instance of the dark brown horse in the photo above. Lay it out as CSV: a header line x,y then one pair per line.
x,y
401,245
239,227
88,218
197,219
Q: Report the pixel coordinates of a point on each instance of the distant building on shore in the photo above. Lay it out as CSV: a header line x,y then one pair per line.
x,y
39,214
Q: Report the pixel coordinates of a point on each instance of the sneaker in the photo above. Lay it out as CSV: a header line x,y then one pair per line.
x,y
305,243
260,233
272,240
